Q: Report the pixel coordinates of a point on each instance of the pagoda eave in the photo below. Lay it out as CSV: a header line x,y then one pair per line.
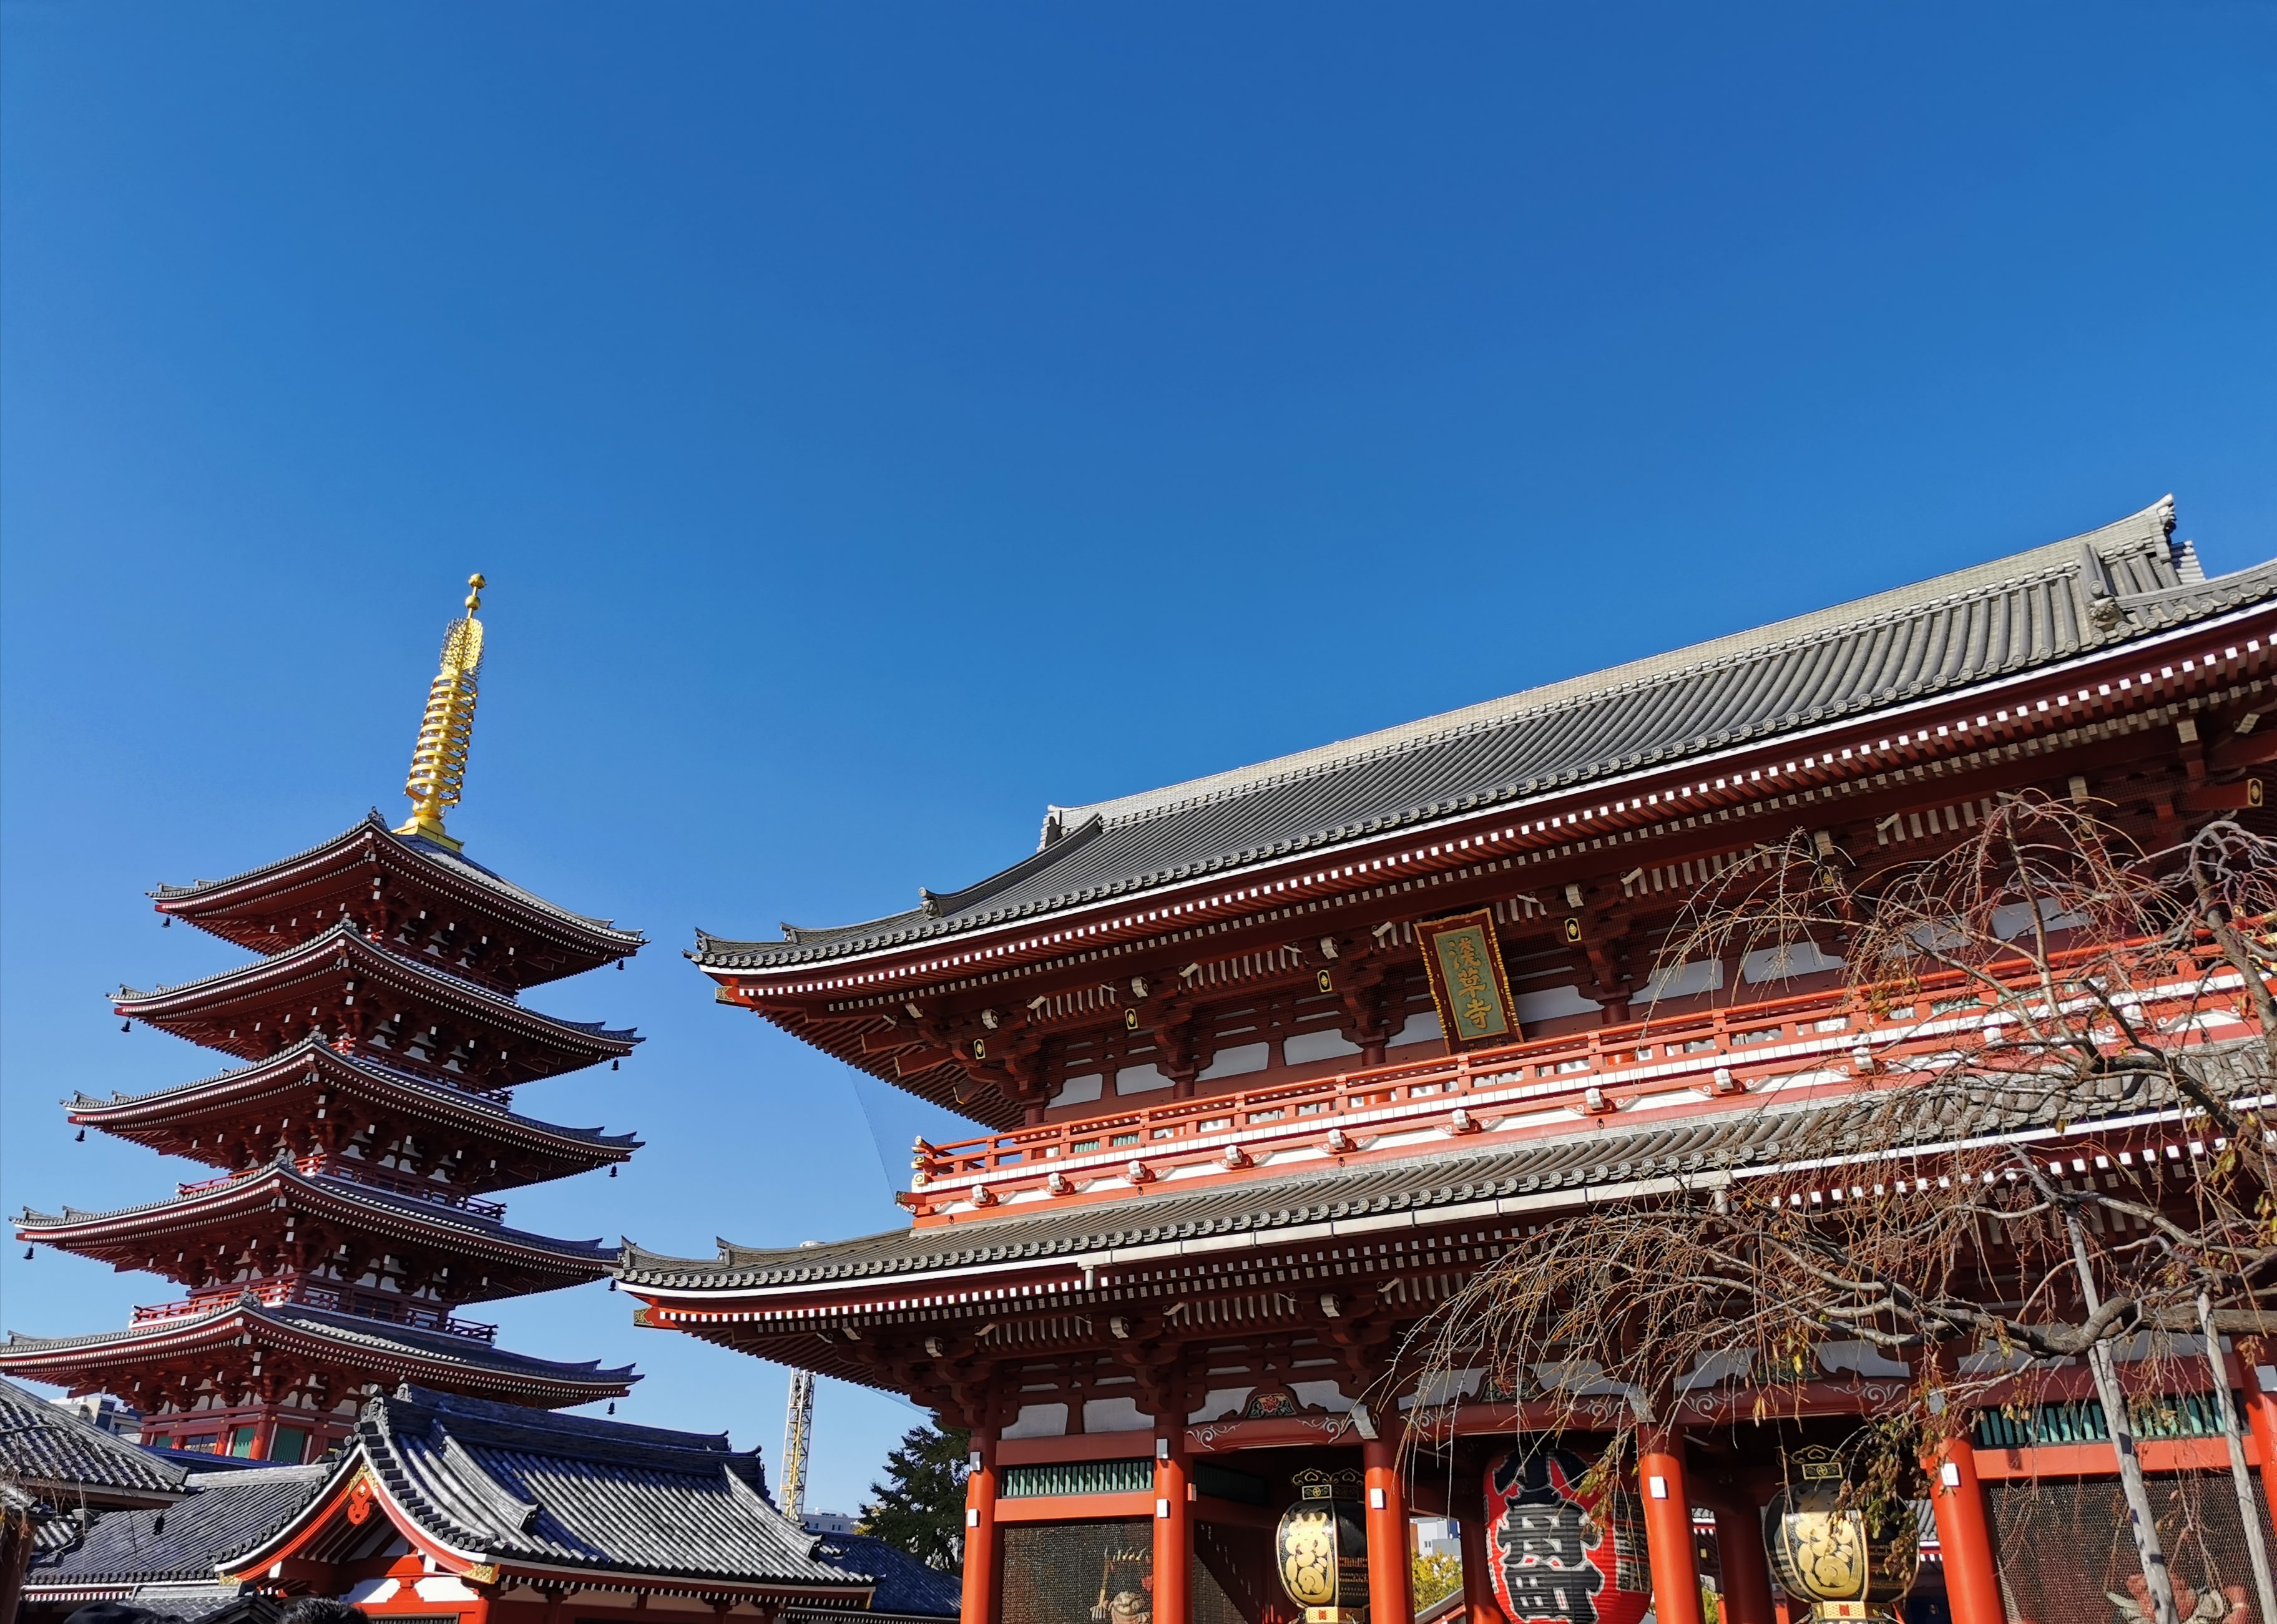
x,y
268,908
312,1084
366,1350
341,981
231,1216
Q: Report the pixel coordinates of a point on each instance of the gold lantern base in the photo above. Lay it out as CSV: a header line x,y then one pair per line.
x,y
1850,1613
1336,1615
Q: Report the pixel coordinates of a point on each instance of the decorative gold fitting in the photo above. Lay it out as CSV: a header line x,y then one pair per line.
x,y
438,761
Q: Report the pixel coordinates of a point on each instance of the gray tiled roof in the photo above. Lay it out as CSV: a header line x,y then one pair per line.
x,y
569,1490
349,938
2069,597
456,863
377,1337
1736,1141
371,1202
462,1102
227,1513
904,1585
205,1604
1731,1139
43,1445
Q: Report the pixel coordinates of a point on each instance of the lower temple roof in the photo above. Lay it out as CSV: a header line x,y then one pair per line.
x,y
226,1512
510,1487
1595,1161
46,1449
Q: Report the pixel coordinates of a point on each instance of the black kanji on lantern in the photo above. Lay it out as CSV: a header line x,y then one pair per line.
x,y
1544,1539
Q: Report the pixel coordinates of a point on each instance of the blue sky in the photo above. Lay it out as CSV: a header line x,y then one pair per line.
x,y
879,421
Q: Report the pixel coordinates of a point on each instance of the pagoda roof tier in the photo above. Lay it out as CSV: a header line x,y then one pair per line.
x,y
490,929
358,1352
280,1218
340,983
312,1097
2038,609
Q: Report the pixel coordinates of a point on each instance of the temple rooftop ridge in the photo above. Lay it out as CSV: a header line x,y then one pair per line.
x,y
2076,598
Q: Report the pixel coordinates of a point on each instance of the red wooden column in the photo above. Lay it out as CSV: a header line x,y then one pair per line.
x,y
1747,1568
1390,1569
1174,1531
1964,1534
1668,1526
2254,1355
980,1549
1479,1603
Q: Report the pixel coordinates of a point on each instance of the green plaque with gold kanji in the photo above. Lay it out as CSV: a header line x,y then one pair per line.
x,y
1467,982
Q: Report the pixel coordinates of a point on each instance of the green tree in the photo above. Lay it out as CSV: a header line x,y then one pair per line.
x,y
1438,1575
920,1506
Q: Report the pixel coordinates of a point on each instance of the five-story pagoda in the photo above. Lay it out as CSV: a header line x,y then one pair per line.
x,y
383,1036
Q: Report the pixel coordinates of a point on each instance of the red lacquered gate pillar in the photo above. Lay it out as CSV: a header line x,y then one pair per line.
x,y
2254,1355
1668,1526
1964,1533
981,1565
1479,1603
1390,1569
1174,1536
1747,1567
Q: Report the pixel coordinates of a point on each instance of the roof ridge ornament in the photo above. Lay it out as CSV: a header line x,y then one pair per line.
x,y
438,761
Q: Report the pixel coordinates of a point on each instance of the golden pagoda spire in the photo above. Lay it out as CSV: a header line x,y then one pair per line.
x,y
438,761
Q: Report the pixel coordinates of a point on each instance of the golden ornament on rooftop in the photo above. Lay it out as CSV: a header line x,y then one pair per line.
x,y
438,761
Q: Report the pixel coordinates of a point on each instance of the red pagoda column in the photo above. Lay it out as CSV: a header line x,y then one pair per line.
x,y
1964,1535
1747,1569
1390,1569
1668,1526
1173,1529
981,1562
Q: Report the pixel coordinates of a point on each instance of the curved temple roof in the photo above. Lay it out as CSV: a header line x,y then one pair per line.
x,y
395,1353
228,1511
213,905
1531,1174
2034,608
48,1448
123,1235
199,1009
150,1116
512,1487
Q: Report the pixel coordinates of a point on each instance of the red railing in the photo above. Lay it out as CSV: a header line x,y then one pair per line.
x,y
356,1171
292,1288
1836,1035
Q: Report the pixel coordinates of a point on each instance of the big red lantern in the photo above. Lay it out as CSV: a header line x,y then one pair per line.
x,y
1559,1557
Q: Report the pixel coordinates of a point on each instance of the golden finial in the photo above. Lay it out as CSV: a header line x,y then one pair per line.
x,y
438,761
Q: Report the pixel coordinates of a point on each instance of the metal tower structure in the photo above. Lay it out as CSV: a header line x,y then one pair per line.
x,y
798,1437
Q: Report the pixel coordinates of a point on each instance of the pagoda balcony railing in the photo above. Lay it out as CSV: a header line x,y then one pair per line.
x,y
353,1171
291,1289
1835,1035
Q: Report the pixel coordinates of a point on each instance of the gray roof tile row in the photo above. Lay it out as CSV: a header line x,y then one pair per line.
x,y
2126,581
226,1512
1737,1141
569,1490
43,1445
